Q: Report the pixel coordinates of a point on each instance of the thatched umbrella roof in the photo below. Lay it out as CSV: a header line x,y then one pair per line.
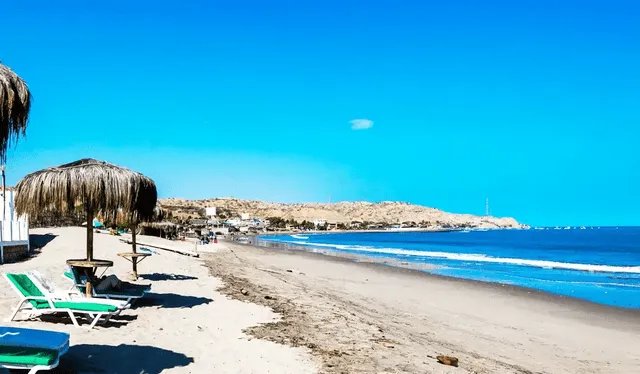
x,y
100,186
15,103
159,214
121,216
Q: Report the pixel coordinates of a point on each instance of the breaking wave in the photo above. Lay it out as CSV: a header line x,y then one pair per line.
x,y
476,258
299,237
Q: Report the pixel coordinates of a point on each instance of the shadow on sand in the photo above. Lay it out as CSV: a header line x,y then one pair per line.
x,y
124,358
114,322
36,242
40,240
167,277
171,300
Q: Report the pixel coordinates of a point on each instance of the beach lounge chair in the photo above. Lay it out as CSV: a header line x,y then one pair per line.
x,y
29,349
50,291
34,302
128,294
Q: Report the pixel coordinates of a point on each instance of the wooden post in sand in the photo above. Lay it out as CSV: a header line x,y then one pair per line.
x,y
89,289
134,259
89,233
89,286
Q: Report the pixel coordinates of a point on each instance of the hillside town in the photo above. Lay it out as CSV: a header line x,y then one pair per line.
x,y
179,219
229,216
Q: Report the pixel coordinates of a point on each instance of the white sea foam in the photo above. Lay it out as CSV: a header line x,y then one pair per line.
x,y
299,237
473,257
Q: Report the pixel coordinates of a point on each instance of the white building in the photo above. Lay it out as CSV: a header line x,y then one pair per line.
x,y
232,222
210,211
244,216
319,222
14,231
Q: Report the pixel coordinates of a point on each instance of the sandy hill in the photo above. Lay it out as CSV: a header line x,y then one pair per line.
x,y
390,212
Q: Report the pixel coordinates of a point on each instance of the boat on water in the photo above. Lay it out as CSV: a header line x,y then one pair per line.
x,y
568,228
583,228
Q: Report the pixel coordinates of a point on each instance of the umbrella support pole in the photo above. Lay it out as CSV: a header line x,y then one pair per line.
x,y
134,260
89,289
89,233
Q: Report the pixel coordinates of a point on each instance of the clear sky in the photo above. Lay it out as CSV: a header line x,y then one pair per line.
x,y
533,104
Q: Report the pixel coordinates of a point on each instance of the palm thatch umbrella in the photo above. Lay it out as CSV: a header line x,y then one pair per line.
x,y
135,220
159,222
15,104
100,186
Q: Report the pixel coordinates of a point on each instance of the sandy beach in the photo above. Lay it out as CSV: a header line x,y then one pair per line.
x,y
242,309
186,326
371,318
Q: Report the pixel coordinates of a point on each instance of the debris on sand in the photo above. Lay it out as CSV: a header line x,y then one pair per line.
x,y
294,328
448,360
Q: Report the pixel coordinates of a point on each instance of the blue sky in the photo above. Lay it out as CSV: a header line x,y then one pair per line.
x,y
533,104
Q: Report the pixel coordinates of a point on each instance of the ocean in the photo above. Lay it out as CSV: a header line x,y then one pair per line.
x,y
601,265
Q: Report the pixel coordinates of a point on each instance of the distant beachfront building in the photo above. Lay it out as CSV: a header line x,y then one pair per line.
x,y
232,222
244,216
14,231
210,211
198,222
319,222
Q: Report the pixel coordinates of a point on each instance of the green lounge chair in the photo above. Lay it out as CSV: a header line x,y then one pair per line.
x,y
29,349
34,301
128,294
49,290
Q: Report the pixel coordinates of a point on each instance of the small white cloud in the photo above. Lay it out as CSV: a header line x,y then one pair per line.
x,y
361,124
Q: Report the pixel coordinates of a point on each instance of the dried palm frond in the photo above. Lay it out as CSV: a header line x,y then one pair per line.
x,y
15,104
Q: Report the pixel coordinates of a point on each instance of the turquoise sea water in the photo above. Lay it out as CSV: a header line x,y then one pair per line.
x,y
599,265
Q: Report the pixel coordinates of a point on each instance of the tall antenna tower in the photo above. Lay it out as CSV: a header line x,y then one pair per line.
x,y
486,207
